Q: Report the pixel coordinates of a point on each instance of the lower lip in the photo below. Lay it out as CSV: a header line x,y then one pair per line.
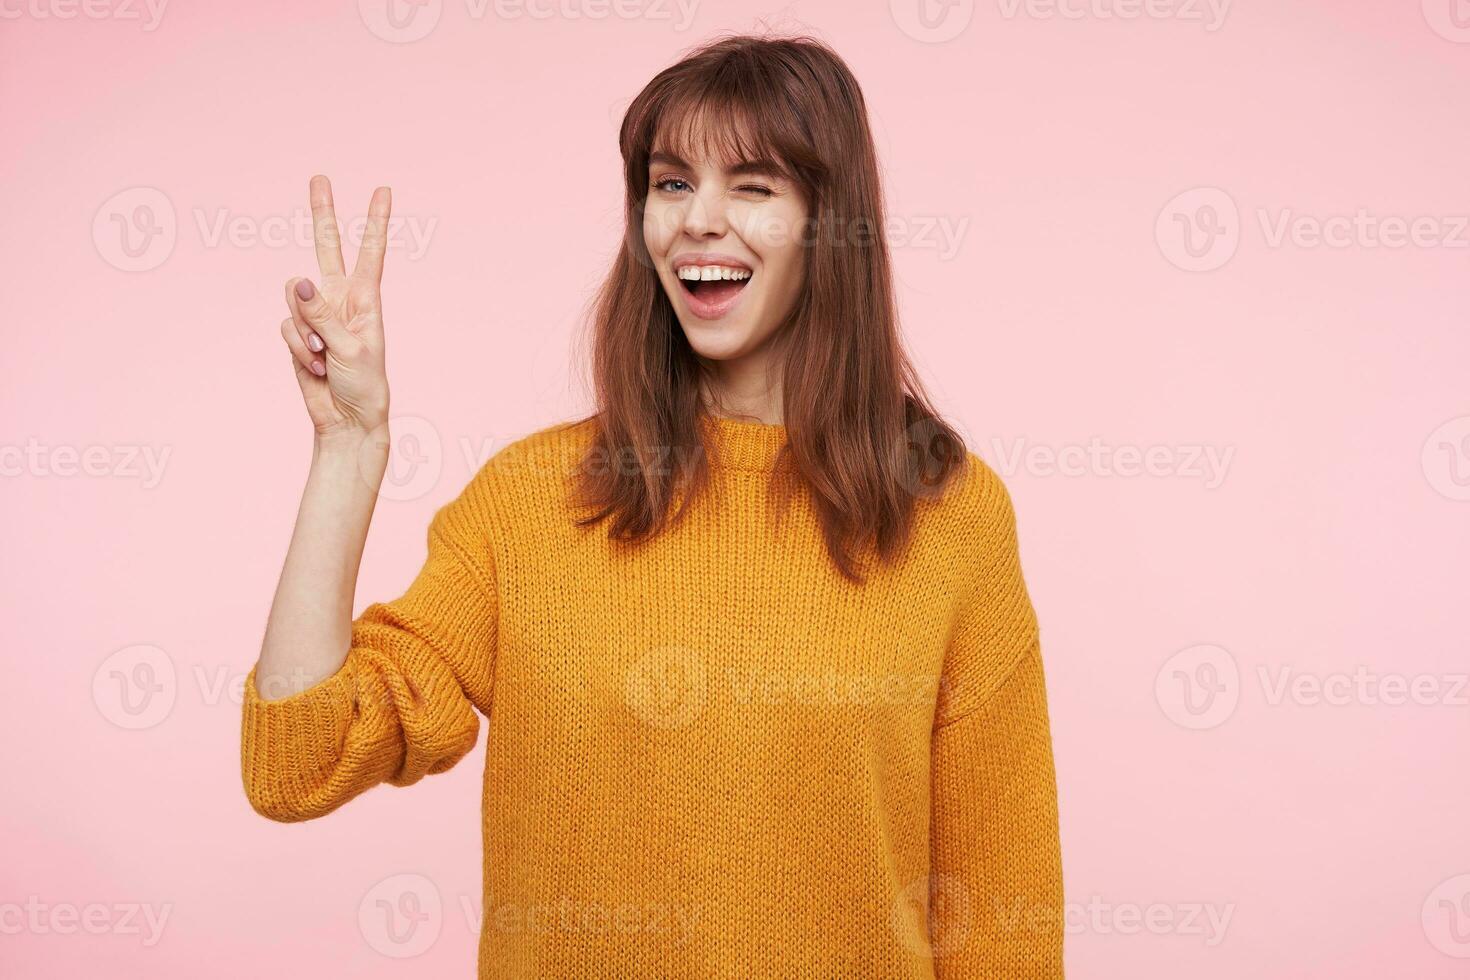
x,y
708,310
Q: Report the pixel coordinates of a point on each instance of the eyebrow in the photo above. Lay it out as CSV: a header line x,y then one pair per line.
x,y
762,166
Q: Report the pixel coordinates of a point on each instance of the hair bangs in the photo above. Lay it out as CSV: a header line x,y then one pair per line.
x,y
720,123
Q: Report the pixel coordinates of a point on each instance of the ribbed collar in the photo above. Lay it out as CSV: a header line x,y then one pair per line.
x,y
739,445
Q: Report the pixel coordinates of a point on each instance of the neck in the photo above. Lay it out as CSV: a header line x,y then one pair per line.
x,y
747,389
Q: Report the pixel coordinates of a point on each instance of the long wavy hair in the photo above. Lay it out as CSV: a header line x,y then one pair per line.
x,y
863,436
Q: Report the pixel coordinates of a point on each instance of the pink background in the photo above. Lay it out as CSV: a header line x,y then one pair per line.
x,y
1213,826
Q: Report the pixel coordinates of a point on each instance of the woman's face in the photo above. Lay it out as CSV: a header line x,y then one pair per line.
x,y
726,240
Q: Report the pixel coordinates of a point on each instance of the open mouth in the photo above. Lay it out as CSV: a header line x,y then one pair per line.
x,y
711,290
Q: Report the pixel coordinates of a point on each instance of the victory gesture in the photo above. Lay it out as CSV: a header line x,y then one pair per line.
x,y
335,330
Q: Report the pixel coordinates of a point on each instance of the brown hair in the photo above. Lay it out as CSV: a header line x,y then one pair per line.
x,y
863,436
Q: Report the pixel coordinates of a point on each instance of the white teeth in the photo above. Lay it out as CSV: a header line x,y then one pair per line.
x,y
703,272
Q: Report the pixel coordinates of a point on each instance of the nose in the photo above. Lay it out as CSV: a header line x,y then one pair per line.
x,y
704,215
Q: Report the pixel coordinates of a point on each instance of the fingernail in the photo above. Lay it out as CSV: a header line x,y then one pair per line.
x,y
314,342
318,368
304,290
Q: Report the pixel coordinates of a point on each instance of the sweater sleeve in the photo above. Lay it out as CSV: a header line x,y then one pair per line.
x,y
997,911
403,703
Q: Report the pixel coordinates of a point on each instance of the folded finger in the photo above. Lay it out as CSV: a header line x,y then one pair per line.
x,y
307,305
303,356
310,337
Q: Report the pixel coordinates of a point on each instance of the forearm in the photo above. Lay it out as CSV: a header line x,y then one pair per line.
x,y
393,696
309,630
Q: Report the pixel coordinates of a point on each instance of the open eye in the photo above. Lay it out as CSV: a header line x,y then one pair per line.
x,y
662,184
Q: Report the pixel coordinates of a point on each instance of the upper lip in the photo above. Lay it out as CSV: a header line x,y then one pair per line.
x,y
710,258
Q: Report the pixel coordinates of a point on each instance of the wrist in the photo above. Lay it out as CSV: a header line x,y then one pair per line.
x,y
353,442
362,451
347,461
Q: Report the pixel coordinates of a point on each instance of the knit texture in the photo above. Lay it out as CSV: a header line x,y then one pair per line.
x,y
709,755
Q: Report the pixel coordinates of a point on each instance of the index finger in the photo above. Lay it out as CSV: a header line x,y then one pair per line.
x,y
375,236
324,231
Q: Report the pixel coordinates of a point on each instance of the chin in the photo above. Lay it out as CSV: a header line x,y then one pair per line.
x,y
716,341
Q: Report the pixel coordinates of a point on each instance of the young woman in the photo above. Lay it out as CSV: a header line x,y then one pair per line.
x,y
762,678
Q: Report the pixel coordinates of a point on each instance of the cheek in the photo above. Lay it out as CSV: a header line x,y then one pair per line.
x,y
659,226
785,268
768,231
777,237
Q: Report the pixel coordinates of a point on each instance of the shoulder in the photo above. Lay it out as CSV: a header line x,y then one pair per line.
x,y
521,484
988,499
530,474
536,459
976,512
993,623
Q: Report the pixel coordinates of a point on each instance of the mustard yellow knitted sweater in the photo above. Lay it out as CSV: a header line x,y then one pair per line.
x,y
711,756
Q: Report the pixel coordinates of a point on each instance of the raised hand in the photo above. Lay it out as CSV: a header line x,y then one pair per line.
x,y
335,330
